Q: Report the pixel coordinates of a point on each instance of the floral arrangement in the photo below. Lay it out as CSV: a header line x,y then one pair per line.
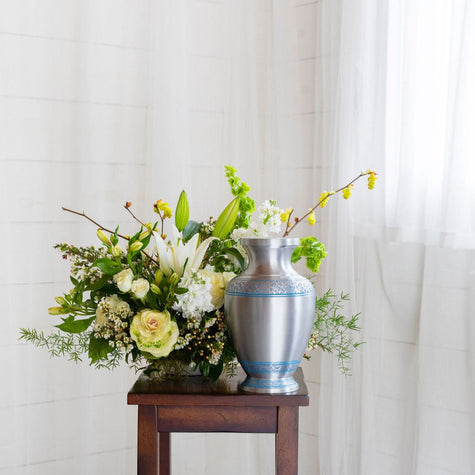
x,y
156,300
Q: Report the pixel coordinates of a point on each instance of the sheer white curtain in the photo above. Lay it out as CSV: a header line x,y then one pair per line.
x,y
398,97
104,102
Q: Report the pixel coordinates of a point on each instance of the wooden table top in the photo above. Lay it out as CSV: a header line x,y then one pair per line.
x,y
196,391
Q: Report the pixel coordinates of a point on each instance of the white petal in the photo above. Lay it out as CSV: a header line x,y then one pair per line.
x,y
163,252
199,254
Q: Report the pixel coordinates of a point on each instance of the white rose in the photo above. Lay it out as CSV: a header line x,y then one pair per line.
x,y
218,284
101,317
108,306
140,288
123,280
113,302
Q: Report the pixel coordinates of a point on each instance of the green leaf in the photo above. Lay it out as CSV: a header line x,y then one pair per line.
x,y
114,237
98,284
238,256
146,240
182,212
215,372
224,224
152,300
296,255
98,349
204,368
148,356
108,266
180,290
191,228
70,325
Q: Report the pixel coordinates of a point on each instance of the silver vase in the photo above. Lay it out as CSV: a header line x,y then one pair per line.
x,y
269,313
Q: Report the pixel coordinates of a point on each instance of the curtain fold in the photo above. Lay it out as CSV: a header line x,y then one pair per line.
x,y
395,86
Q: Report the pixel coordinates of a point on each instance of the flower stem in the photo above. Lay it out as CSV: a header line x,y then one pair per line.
x,y
327,195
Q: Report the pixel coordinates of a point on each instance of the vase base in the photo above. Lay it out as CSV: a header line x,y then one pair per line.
x,y
269,386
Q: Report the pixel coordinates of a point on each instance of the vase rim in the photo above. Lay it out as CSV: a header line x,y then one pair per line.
x,y
271,242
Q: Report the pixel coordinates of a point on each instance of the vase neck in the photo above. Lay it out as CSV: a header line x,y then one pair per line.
x,y
273,259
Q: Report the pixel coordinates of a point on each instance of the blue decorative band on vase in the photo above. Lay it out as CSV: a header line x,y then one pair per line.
x,y
269,287
282,385
269,376
269,367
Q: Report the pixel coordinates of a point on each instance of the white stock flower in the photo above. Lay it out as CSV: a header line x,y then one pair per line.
x,y
139,288
198,299
123,280
268,223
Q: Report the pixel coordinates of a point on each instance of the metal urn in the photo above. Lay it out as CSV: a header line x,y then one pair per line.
x,y
269,312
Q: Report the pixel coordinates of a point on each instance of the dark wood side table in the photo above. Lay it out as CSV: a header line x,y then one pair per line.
x,y
190,404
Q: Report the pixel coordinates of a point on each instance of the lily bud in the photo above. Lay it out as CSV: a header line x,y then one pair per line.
x,y
101,235
155,289
158,277
174,278
56,311
116,250
144,234
136,246
225,222
182,212
60,300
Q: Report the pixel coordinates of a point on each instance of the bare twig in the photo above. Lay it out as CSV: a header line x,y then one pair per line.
x,y
84,215
133,215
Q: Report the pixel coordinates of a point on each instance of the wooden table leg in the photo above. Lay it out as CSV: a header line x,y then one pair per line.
x,y
164,447
147,438
287,440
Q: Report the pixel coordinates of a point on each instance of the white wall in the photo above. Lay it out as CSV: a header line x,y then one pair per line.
x,y
79,128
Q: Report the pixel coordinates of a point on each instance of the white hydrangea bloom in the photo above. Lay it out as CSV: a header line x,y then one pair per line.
x,y
198,299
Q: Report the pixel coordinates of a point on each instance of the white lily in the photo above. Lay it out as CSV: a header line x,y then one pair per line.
x,y
179,257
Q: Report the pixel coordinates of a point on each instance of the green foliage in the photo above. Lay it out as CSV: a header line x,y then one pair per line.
x,y
239,189
108,266
58,344
72,346
98,349
213,372
191,228
313,251
70,325
223,256
333,332
81,257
